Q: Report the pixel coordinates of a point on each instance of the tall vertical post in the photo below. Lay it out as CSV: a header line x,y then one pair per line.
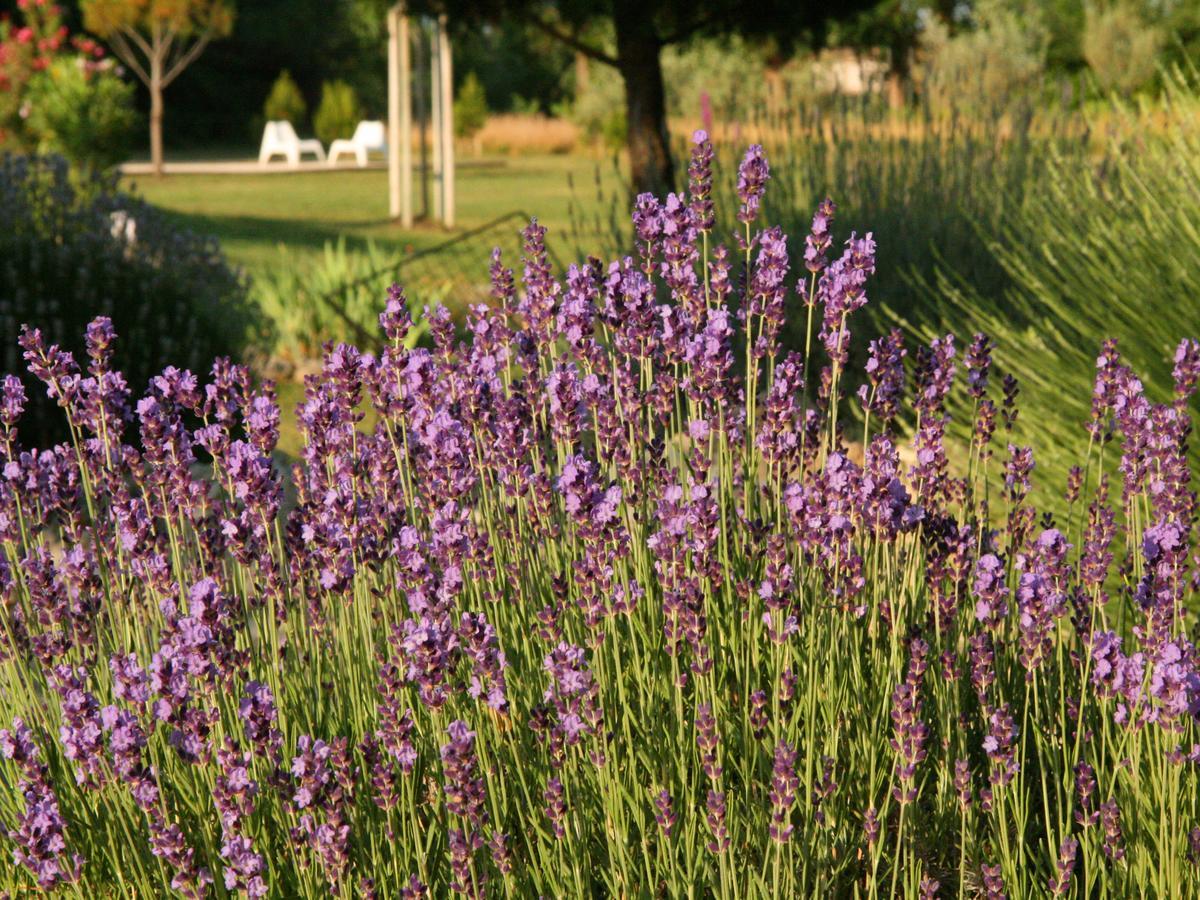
x,y
405,144
447,96
437,133
421,79
399,118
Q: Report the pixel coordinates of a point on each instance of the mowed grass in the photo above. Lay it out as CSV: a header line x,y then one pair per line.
x,y
253,215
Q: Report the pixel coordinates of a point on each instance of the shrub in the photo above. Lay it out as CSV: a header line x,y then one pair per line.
x,y
72,246
988,67
470,107
285,103
86,113
1120,46
600,108
338,113
591,609
31,48
334,299
524,106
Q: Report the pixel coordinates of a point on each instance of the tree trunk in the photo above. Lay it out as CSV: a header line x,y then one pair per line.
x,y
156,117
899,74
583,75
638,60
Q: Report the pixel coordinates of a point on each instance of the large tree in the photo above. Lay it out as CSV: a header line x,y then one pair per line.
x,y
642,28
158,39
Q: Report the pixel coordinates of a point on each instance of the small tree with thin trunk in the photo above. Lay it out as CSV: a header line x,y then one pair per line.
x,y
157,40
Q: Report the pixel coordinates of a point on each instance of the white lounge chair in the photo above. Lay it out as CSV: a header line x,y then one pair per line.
x,y
368,136
279,138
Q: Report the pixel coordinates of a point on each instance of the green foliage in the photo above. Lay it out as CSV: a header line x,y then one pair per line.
x,y
70,253
732,71
334,298
515,62
1106,248
524,106
1013,225
600,110
1001,59
1121,46
87,115
285,102
38,41
470,107
614,130
338,113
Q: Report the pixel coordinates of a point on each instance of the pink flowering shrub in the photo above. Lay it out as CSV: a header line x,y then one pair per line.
x,y
29,49
613,598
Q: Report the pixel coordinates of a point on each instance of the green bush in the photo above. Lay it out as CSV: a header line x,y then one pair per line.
x,y
336,298
85,113
1120,46
338,113
524,106
285,103
1001,59
470,107
68,252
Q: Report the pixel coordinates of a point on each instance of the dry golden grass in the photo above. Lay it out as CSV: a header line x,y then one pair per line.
x,y
1097,125
518,134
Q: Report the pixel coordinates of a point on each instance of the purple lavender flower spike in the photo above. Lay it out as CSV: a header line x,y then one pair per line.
x,y
39,839
664,812
752,181
1064,866
700,181
784,784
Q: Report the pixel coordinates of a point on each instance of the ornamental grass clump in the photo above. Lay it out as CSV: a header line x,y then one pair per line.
x,y
611,599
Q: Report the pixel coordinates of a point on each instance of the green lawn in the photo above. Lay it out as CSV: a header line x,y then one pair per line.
x,y
252,215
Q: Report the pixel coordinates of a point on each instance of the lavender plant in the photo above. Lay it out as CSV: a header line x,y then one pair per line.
x,y
600,604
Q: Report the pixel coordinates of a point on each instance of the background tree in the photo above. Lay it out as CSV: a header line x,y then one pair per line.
x,y
470,109
641,29
896,27
157,40
285,102
338,113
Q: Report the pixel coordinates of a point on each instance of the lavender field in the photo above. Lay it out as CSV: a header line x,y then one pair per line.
x,y
614,598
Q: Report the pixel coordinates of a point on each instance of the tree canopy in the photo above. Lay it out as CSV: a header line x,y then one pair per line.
x,y
641,29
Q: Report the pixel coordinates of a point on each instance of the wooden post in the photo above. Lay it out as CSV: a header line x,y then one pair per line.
x,y
399,118
393,114
406,198
436,109
447,95
421,85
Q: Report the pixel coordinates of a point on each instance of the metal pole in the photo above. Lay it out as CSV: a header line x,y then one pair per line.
x,y
447,91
